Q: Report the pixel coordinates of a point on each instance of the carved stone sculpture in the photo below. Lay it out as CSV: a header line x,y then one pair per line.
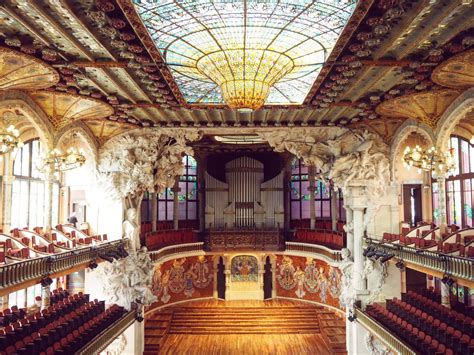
x,y
129,280
348,293
130,229
375,346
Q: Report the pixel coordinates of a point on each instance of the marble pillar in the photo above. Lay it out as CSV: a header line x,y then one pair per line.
x,y
48,202
7,202
349,229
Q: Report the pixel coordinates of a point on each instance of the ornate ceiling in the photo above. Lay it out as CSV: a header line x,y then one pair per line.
x,y
101,50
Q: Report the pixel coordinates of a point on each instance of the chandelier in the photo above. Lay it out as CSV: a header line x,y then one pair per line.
x,y
9,140
429,160
57,161
245,76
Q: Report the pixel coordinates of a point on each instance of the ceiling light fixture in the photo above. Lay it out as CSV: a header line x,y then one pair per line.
x,y
428,160
9,141
57,161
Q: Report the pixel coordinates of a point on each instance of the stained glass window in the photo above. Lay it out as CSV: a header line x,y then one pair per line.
x,y
190,33
459,186
187,196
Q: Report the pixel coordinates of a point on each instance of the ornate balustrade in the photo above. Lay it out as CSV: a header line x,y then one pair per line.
x,y
18,273
108,335
181,250
226,240
332,255
456,266
383,334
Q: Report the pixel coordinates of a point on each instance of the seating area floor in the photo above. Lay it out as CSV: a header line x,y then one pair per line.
x,y
250,327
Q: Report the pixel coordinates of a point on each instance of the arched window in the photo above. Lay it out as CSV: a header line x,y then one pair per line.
x,y
459,186
187,196
300,195
29,190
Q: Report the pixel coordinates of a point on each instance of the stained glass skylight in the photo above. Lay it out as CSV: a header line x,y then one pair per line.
x,y
201,39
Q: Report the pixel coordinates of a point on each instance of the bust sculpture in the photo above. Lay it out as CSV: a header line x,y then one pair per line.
x,y
130,228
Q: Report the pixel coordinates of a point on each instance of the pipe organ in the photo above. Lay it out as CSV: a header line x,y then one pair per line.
x,y
244,200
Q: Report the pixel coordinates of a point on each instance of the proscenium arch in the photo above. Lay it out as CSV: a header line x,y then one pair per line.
x,y
458,109
408,127
84,133
18,100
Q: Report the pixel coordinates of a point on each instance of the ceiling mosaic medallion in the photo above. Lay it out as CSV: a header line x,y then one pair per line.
x,y
427,106
63,108
22,71
456,72
245,53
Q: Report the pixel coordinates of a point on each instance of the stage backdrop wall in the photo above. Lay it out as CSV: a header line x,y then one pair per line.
x,y
183,279
308,279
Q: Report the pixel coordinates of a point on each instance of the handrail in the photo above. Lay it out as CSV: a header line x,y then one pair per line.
x,y
108,335
158,255
30,269
456,266
383,334
334,255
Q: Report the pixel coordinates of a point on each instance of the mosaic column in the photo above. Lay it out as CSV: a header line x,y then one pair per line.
x,y
45,297
358,221
7,202
442,204
48,202
445,295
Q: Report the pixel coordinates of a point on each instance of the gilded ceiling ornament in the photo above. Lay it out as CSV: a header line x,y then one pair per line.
x,y
22,71
427,106
456,72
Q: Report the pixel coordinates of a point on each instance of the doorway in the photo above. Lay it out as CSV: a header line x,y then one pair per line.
x,y
267,280
221,279
412,204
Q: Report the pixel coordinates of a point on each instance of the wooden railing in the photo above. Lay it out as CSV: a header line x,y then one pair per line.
x,y
108,335
17,273
382,333
334,255
455,266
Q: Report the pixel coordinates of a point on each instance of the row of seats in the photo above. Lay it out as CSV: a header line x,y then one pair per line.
x,y
453,337
451,317
63,327
409,333
330,239
159,239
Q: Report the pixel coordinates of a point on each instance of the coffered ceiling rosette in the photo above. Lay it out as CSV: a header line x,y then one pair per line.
x,y
64,108
456,72
426,107
21,71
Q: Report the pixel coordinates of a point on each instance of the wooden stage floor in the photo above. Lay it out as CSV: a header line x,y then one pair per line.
x,y
244,327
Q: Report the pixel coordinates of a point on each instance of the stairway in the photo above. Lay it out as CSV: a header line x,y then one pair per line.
x,y
156,331
244,320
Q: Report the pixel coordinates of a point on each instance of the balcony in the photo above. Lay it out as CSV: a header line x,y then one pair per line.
x,y
19,274
434,262
244,240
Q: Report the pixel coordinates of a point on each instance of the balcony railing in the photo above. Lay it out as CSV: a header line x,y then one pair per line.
x,y
17,273
190,248
106,337
333,255
383,334
455,266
